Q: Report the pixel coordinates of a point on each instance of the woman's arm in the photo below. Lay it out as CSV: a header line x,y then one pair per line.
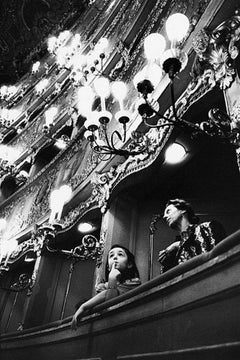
x,y
167,257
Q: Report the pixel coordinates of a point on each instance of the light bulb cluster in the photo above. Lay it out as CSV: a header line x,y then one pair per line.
x,y
9,116
50,116
7,92
145,81
160,61
171,60
85,67
96,119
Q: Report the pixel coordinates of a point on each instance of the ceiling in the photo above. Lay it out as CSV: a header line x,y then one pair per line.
x,y
24,27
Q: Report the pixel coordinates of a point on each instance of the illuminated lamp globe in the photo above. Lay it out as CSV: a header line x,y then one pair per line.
x,y
175,153
119,90
85,98
3,224
177,26
102,87
11,245
154,45
85,227
65,192
51,43
61,144
102,44
54,199
30,256
153,73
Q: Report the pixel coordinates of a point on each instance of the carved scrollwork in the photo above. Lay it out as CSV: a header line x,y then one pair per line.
x,y
91,248
216,51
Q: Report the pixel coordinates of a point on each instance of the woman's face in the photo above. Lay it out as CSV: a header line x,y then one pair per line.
x,y
172,215
118,257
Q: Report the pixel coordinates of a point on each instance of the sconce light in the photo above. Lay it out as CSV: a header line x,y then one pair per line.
x,y
41,85
175,153
7,247
50,115
58,198
95,119
30,256
35,67
85,227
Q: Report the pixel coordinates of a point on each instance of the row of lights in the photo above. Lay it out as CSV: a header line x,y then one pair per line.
x,y
59,197
69,54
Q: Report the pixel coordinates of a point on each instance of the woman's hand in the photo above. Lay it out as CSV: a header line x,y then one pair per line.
x,y
171,249
79,313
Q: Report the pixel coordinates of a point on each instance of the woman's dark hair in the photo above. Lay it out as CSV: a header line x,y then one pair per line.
x,y
186,206
130,272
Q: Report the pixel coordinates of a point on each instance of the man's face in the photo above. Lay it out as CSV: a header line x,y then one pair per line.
x,y
172,215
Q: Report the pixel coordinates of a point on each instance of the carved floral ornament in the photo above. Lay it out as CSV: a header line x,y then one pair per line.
x,y
216,51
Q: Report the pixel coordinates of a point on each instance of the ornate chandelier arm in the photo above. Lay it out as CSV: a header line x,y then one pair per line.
x,y
120,137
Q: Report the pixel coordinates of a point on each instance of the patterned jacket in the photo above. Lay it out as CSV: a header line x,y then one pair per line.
x,y
197,239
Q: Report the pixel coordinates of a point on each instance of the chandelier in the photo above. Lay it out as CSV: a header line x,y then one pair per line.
x,y
159,61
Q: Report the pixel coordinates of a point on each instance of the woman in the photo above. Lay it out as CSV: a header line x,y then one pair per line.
x,y
193,239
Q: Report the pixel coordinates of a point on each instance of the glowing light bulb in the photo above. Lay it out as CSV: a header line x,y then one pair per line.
x,y
85,96
154,45
175,153
102,45
85,227
177,26
119,91
52,43
35,67
66,192
50,115
3,224
102,87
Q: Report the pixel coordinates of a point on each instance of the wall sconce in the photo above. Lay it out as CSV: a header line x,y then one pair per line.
x,y
8,117
90,248
41,86
58,198
85,227
7,247
35,67
175,153
7,92
30,256
50,115
54,43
